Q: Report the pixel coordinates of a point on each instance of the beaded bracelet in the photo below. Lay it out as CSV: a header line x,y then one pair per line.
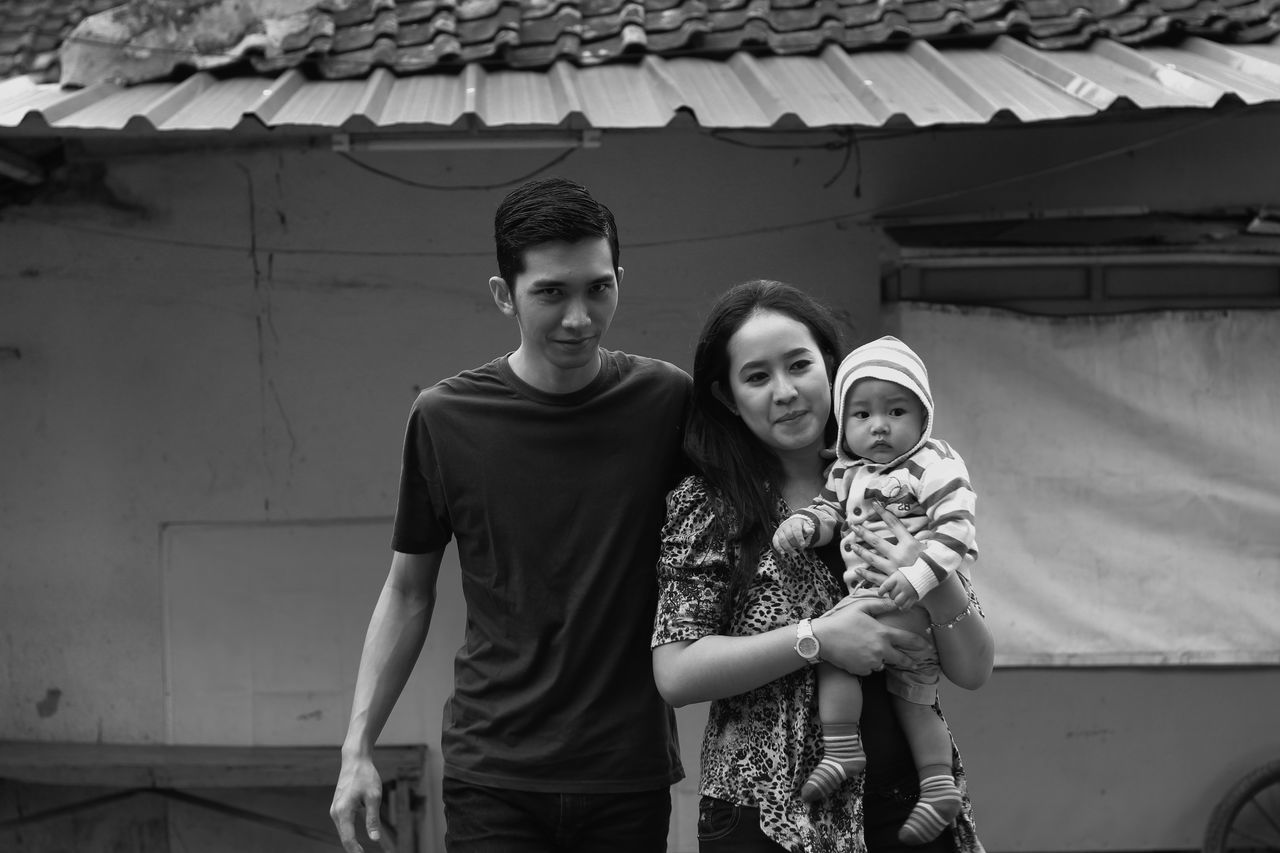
x,y
955,620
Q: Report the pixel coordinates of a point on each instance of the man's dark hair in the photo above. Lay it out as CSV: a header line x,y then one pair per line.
x,y
548,210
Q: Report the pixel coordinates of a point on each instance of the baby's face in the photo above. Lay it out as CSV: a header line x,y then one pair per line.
x,y
882,420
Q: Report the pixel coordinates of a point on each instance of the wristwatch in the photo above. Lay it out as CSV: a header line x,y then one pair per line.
x,y
807,645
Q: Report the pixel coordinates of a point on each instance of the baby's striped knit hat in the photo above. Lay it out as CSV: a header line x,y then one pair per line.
x,y
889,359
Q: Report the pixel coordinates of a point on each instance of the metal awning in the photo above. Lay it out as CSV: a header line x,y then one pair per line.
x,y
916,85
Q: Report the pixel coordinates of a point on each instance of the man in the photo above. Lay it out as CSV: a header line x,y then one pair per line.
x,y
549,467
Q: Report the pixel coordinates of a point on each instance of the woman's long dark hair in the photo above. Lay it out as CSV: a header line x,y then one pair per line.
x,y
745,475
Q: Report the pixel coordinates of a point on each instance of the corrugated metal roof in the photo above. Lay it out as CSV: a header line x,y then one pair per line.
x,y
917,85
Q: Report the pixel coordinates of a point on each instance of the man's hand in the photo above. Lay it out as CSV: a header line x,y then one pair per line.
x,y
359,789
793,535
899,590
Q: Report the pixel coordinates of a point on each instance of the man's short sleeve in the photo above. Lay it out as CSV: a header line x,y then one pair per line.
x,y
422,516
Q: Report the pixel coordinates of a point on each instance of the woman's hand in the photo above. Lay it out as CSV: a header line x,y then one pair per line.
x,y
880,558
966,650
855,640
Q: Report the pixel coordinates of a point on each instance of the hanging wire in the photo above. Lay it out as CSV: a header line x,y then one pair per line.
x,y
847,143
557,160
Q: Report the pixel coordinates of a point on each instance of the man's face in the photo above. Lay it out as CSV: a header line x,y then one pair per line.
x,y
563,301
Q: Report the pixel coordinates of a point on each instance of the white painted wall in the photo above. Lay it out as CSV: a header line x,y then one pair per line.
x,y
231,340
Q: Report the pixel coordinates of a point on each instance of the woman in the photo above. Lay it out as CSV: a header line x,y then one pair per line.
x,y
730,609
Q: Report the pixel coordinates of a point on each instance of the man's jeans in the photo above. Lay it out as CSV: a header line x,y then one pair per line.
x,y
480,819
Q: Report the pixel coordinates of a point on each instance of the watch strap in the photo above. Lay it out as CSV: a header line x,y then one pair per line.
x,y
806,638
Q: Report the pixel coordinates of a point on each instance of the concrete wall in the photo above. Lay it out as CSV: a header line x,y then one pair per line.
x,y
233,339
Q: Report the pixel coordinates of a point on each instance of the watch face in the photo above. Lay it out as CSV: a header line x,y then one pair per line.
x,y
807,647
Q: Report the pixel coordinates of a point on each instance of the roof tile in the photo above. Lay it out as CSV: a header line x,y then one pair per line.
x,y
89,41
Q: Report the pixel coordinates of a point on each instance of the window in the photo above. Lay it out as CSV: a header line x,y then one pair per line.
x,y
1066,267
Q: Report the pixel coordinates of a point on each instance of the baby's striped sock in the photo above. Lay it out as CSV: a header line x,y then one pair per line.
x,y
937,807
842,758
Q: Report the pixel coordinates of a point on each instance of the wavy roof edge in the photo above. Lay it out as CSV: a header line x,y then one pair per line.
x,y
917,85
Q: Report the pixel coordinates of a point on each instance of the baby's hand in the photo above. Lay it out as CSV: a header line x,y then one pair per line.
x,y
899,590
792,535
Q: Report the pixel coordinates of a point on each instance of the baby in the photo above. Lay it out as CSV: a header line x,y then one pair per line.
x,y
885,454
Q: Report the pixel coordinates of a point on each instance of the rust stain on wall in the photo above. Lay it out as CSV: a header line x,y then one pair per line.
x,y
1089,733
48,706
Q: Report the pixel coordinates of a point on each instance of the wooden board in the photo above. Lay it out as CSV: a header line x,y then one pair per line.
x,y
263,629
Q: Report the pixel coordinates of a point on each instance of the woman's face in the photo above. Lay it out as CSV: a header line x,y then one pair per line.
x,y
778,383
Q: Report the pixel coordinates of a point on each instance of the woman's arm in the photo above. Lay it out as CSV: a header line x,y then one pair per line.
x,y
966,649
717,666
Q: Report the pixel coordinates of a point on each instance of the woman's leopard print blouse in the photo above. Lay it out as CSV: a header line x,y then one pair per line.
x,y
760,746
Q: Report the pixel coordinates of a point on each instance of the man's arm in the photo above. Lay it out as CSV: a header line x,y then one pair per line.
x,y
392,644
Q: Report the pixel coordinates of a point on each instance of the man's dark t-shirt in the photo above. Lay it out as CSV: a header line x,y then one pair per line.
x,y
556,502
